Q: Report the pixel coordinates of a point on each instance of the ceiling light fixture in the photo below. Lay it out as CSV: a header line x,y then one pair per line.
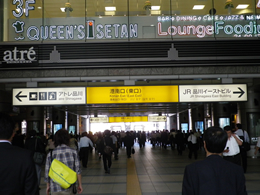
x,y
110,8
242,6
155,7
198,7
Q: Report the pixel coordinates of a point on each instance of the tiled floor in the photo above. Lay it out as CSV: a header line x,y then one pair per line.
x,y
159,171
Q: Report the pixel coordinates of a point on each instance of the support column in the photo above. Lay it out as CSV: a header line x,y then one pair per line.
x,y
178,121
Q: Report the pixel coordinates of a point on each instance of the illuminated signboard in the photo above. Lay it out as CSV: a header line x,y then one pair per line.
x,y
206,26
134,94
128,119
72,28
157,118
49,96
20,55
98,120
213,93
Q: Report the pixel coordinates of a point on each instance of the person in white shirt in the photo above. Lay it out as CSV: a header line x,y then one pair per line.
x,y
193,145
232,151
244,136
84,145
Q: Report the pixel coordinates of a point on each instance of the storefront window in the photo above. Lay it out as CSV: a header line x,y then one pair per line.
x,y
91,20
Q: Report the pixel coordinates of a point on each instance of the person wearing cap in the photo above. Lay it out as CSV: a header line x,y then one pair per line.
x,y
214,175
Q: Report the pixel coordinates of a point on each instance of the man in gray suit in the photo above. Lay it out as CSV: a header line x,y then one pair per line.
x,y
214,175
17,170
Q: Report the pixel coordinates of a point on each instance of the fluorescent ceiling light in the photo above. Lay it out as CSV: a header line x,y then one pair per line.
x,y
197,7
62,9
155,7
110,8
242,6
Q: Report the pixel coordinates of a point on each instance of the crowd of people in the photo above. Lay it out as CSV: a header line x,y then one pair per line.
x,y
71,149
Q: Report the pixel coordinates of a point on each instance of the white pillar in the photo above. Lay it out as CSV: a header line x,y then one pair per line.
x,y
238,114
190,120
212,114
78,124
66,120
178,121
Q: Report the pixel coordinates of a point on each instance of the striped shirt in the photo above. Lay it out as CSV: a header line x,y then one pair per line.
x,y
66,155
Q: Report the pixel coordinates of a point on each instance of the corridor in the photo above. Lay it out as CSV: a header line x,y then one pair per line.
x,y
150,171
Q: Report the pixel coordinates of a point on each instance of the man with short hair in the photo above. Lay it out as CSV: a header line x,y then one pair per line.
x,y
84,144
18,174
232,150
214,175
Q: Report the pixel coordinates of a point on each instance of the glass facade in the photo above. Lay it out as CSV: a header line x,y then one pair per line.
x,y
92,20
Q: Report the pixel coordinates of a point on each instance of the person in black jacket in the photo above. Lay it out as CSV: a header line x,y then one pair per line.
x,y
35,144
214,175
180,142
18,175
129,142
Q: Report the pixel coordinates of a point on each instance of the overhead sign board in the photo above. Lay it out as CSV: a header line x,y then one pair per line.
x,y
213,93
98,120
49,96
133,94
157,118
128,119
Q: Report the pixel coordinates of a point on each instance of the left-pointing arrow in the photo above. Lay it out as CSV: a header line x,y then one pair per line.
x,y
18,96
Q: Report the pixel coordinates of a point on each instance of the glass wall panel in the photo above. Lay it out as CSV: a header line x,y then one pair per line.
x,y
145,17
91,20
18,17
64,20
253,125
106,20
235,19
191,19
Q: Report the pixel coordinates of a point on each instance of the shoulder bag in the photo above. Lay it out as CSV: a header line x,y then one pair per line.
x,y
62,174
107,150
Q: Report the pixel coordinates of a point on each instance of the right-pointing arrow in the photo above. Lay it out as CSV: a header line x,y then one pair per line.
x,y
241,92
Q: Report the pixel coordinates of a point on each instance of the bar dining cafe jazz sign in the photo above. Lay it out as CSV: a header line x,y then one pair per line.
x,y
69,28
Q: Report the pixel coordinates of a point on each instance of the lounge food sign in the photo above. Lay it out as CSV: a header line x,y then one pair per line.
x,y
32,29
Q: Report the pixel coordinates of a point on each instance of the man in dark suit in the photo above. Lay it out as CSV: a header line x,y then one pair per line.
x,y
214,175
17,170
